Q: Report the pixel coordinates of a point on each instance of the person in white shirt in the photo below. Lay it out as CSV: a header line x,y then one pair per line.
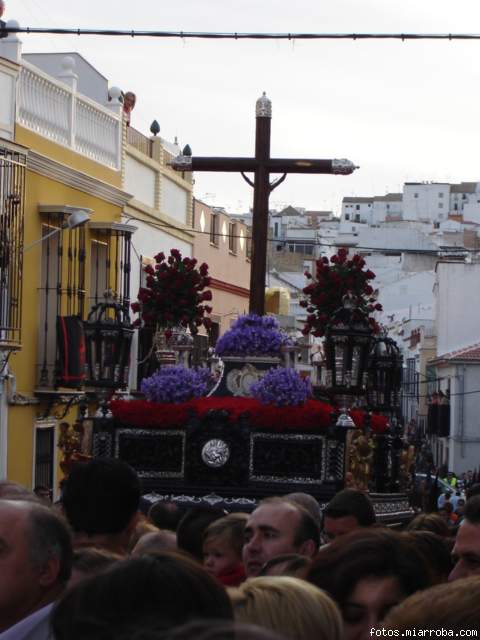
x,y
35,565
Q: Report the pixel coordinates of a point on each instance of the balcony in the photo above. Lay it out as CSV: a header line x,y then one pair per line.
x,y
56,111
12,201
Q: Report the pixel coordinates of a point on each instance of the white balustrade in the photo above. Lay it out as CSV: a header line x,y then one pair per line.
x,y
53,110
97,133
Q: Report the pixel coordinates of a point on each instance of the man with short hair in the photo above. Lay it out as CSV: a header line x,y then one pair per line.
x,y
348,510
35,565
100,500
278,526
466,551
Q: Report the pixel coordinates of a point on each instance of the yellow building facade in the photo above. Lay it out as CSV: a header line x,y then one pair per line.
x,y
75,150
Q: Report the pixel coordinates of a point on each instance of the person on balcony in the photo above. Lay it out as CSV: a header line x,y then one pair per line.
x,y
129,101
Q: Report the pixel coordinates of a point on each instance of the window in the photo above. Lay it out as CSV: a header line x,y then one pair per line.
x,y
45,454
214,222
357,207
440,205
347,216
415,195
62,289
232,237
357,217
68,292
291,248
276,229
12,198
440,195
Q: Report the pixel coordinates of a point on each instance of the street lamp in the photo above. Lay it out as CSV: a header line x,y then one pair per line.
x,y
348,340
77,217
384,376
108,337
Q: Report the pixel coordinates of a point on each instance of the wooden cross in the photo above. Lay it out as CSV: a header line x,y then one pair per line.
x,y
262,166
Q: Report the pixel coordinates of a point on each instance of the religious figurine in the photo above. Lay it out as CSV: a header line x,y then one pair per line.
x,y
70,442
361,449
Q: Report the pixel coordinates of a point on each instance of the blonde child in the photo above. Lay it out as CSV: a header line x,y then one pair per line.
x,y
222,549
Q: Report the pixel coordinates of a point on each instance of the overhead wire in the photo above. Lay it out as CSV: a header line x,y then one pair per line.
x,y
224,35
441,252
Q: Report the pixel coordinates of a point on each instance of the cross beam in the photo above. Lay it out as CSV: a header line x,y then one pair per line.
x,y
262,165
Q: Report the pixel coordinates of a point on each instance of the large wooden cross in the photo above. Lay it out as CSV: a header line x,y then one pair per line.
x,y
262,166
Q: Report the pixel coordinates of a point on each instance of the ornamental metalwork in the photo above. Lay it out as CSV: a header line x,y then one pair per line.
x,y
12,202
263,107
215,453
343,166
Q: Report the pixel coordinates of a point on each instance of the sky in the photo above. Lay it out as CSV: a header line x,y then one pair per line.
x,y
402,111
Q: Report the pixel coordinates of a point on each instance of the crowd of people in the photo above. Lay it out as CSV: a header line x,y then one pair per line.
x,y
93,566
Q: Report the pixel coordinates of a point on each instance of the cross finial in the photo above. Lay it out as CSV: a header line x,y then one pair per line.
x,y
263,107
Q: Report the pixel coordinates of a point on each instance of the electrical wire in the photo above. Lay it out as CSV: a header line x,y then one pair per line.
x,y
432,252
218,35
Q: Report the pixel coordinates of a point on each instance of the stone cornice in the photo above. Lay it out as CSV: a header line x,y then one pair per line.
x,y
71,177
229,287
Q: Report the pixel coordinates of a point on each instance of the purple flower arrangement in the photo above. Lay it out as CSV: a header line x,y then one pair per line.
x,y
252,335
176,384
282,387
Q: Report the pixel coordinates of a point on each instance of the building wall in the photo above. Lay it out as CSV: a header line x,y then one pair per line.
x,y
140,180
429,201
409,294
56,175
229,270
463,445
457,305
22,418
360,210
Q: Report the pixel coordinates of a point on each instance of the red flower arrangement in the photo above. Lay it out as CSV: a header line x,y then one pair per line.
x,y
333,280
174,294
311,416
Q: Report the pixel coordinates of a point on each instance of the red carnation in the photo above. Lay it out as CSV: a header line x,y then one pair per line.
x,y
135,307
207,295
160,257
175,253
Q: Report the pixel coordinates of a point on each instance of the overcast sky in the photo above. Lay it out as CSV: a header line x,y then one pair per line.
x,y
402,111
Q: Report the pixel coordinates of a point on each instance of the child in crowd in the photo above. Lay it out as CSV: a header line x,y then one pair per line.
x,y
222,549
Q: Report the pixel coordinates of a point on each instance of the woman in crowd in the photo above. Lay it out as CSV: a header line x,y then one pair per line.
x,y
453,607
289,606
367,572
436,551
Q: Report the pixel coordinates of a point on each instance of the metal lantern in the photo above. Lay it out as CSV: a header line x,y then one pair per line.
x,y
108,337
348,340
384,376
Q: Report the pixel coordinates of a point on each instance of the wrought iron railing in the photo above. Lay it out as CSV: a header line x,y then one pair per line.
x,y
12,199
68,289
